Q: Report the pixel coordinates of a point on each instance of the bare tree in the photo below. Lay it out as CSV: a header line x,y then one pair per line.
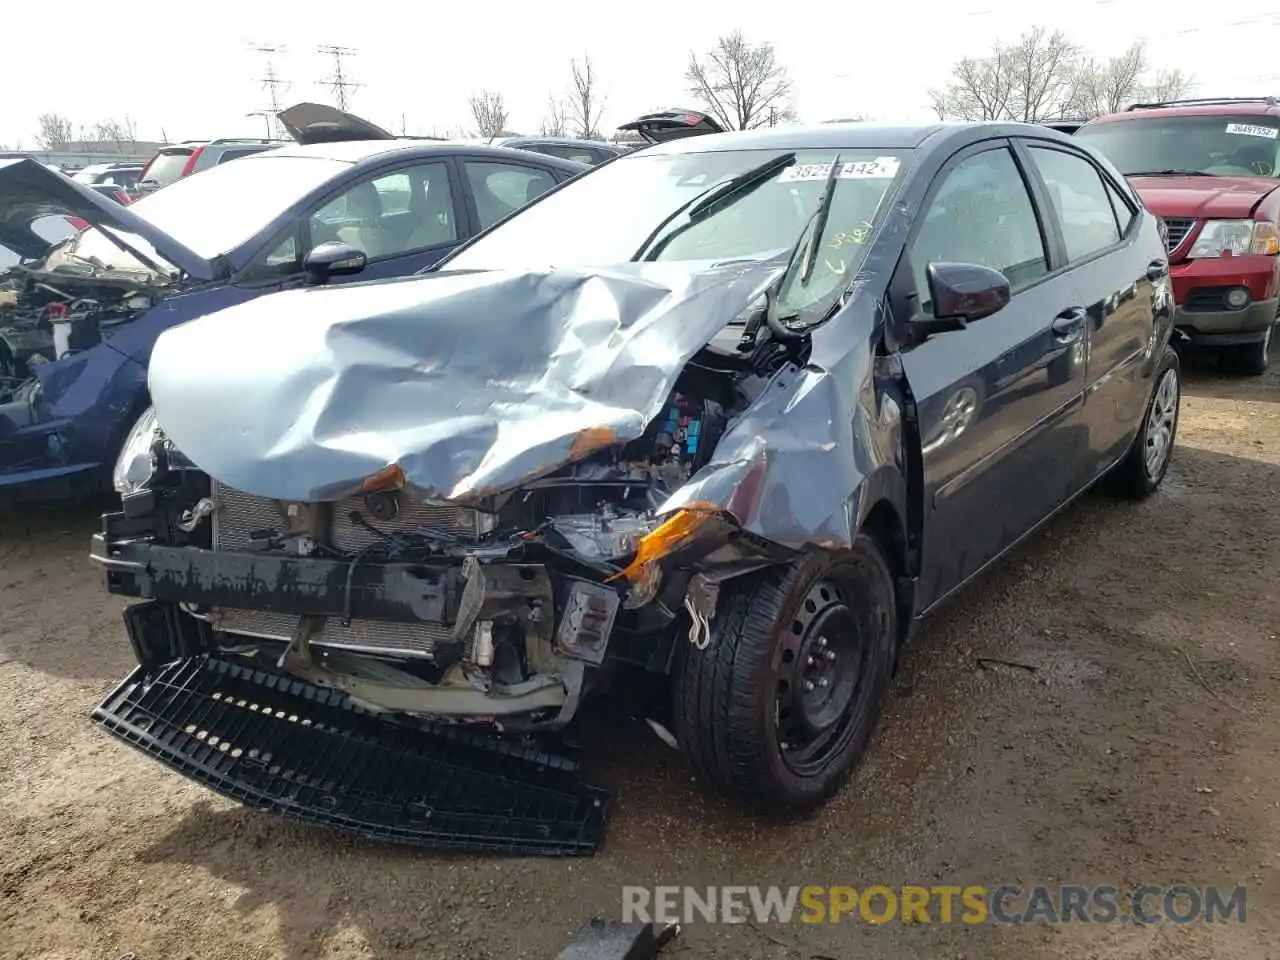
x,y
742,84
556,122
489,113
980,89
1044,76
585,103
1031,79
1168,85
120,132
1109,86
55,131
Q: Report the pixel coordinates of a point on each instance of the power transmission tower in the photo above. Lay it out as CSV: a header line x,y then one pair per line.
x,y
274,86
339,82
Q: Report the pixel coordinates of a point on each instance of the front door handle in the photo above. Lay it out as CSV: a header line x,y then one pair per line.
x,y
1068,324
1157,269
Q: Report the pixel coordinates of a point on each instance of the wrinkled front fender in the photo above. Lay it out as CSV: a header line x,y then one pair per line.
x,y
819,448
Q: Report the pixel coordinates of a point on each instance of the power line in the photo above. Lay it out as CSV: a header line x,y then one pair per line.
x,y
274,85
339,82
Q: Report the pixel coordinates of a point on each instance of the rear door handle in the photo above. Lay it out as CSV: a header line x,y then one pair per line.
x,y
1068,324
1157,269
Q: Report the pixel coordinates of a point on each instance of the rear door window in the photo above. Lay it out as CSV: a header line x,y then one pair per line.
x,y
500,189
1080,200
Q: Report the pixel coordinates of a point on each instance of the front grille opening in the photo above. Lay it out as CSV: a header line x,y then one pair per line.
x,y
1178,228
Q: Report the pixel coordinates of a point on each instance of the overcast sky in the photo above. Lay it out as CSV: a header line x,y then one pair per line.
x,y
188,72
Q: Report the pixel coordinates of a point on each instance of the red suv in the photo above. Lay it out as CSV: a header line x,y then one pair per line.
x,y
1211,170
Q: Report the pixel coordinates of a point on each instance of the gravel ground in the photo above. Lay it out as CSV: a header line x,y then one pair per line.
x,y
1141,748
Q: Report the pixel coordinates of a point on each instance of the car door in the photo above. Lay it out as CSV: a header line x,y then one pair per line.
x,y
495,189
404,218
997,403
1114,272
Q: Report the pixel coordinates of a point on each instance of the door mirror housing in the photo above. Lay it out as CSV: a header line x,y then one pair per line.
x,y
333,259
960,294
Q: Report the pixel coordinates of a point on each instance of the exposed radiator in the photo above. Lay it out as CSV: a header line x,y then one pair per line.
x,y
236,515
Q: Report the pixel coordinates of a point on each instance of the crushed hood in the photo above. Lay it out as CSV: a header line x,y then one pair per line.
x,y
321,123
473,383
1203,197
30,191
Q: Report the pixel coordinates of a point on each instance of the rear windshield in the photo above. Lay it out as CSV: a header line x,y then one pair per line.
x,y
1223,145
167,166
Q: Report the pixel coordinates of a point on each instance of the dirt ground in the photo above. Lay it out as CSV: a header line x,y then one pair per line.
x,y
1142,748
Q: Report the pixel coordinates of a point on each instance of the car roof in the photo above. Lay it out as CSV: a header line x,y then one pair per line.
x,y
850,136
358,151
1248,107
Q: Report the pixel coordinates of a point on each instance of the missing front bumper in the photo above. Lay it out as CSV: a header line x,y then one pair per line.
x,y
278,744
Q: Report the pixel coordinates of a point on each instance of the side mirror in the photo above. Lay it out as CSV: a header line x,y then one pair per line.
x,y
961,293
333,259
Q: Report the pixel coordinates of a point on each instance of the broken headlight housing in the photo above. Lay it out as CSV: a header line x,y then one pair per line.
x,y
136,462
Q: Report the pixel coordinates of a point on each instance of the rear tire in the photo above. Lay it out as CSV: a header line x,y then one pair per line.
x,y
1249,359
779,707
1139,474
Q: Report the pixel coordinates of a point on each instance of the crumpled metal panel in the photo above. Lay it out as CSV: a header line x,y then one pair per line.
x,y
804,464
471,382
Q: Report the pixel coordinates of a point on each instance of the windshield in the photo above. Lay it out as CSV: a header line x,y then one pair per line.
x,y
215,211
609,215
1247,146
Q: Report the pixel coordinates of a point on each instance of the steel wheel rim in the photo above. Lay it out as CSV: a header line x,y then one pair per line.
x,y
821,680
1266,344
1161,423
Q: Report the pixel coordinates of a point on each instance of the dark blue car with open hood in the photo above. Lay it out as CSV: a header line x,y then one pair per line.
x,y
81,309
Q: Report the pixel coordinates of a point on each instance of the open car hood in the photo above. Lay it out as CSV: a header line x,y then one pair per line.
x,y
321,123
673,125
29,191
470,383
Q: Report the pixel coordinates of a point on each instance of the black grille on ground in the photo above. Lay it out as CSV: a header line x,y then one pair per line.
x,y
278,744
1178,229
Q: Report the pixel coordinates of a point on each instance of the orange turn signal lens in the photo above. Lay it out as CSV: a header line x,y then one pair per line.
x,y
665,538
1266,238
388,478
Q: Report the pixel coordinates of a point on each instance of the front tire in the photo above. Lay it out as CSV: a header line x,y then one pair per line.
x,y
779,707
1139,474
1249,359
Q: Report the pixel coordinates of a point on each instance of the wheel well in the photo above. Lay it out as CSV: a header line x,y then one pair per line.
x,y
884,525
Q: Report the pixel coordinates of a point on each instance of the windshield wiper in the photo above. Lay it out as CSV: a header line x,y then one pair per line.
x,y
819,222
1171,173
811,235
709,201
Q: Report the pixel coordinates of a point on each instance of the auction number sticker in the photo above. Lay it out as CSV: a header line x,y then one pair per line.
x,y
881,168
1253,130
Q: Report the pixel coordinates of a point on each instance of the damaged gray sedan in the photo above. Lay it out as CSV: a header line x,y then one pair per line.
x,y
736,410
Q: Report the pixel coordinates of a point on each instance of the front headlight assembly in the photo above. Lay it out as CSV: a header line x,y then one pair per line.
x,y
1236,237
136,462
